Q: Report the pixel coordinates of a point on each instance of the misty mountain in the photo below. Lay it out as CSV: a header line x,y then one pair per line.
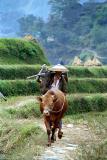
x,y
12,10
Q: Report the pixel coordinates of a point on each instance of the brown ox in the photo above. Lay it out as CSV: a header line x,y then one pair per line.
x,y
53,105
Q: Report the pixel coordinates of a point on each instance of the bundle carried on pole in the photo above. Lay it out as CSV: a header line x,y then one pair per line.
x,y
30,38
77,61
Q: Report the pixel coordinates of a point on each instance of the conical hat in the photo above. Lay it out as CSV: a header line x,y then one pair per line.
x,y
59,68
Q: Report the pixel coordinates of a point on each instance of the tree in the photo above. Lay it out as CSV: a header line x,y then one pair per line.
x,y
30,25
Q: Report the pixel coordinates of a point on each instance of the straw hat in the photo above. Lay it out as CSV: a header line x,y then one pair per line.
x,y
59,68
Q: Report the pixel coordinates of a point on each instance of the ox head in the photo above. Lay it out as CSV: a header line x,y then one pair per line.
x,y
47,103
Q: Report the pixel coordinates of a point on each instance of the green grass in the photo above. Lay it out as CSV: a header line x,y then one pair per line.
x,y
93,151
22,138
86,103
19,139
87,85
19,87
93,72
18,51
22,70
77,103
26,111
18,71
97,123
29,87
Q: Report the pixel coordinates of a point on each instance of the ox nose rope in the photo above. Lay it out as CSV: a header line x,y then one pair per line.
x,y
60,109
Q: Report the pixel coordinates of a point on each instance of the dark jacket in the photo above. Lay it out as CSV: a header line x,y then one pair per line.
x,y
47,79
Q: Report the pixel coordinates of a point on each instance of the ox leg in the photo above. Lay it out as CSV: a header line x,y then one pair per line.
x,y
48,127
53,137
60,133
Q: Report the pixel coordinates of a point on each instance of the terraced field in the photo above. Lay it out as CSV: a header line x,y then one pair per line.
x,y
22,134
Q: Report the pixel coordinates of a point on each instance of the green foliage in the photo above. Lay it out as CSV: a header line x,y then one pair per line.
x,y
19,87
79,103
92,72
87,85
93,152
14,135
17,50
97,123
18,71
75,85
86,103
72,27
27,111
23,71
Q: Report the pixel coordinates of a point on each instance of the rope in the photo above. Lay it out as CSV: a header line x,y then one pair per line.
x,y
61,107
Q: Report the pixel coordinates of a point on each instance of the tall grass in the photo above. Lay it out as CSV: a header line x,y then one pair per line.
x,y
25,51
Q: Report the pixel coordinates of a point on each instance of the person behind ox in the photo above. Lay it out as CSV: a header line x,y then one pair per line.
x,y
54,78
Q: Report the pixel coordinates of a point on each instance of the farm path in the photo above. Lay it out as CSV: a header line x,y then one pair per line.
x,y
74,135
64,149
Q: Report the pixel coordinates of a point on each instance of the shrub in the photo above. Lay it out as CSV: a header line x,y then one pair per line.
x,y
86,85
26,51
97,72
22,71
76,104
86,103
30,87
27,111
18,71
19,87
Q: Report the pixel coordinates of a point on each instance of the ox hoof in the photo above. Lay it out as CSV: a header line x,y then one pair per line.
x,y
49,144
60,135
52,140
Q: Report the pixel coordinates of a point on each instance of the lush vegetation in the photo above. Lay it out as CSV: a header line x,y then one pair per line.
x,y
29,87
23,71
18,71
26,111
97,122
87,85
97,72
19,51
19,87
78,103
72,28
20,136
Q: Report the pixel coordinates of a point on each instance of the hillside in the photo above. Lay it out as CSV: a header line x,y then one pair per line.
x,y
19,51
71,29
22,134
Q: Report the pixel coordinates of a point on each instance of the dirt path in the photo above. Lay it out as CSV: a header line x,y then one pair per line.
x,y
64,149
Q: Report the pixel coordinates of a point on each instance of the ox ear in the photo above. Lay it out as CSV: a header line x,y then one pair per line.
x,y
39,98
